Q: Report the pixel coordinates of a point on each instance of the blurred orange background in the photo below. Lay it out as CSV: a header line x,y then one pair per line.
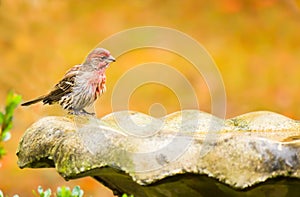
x,y
255,43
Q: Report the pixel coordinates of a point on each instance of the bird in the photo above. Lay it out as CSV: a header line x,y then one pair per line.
x,y
81,85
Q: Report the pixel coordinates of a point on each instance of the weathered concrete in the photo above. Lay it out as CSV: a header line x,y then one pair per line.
x,y
134,153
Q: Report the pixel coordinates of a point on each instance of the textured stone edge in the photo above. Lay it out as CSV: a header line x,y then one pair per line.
x,y
234,124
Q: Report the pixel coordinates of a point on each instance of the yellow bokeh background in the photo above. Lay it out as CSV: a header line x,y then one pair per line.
x,y
255,44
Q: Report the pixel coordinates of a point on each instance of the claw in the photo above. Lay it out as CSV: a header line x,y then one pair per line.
x,y
89,113
81,112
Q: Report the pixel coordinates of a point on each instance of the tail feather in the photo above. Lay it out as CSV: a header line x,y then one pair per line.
x,y
33,101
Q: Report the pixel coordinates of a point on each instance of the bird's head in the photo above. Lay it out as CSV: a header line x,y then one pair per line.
x,y
99,58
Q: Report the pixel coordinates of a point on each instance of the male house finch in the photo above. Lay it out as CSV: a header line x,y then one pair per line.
x,y
81,85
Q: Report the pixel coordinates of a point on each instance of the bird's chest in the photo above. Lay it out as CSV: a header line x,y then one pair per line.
x,y
87,87
97,85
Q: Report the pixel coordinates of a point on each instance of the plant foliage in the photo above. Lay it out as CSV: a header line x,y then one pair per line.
x,y
61,192
6,117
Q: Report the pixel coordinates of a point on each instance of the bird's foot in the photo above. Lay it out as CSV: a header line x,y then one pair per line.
x,y
81,112
88,113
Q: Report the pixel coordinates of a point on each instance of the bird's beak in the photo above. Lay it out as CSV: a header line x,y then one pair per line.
x,y
110,59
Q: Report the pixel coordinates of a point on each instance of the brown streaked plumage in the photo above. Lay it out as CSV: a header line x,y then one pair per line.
x,y
81,85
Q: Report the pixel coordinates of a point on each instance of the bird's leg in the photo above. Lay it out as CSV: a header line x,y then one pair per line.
x,y
83,111
74,112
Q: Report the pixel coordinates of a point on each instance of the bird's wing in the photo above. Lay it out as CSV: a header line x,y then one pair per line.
x,y
63,87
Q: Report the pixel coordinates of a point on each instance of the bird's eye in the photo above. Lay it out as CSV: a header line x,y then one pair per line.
x,y
103,57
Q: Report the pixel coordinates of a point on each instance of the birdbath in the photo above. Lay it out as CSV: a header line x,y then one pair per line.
x,y
186,153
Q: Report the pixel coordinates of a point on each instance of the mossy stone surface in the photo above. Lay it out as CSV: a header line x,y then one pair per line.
x,y
134,153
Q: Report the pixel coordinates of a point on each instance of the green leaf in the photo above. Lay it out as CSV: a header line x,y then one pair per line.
x,y
58,192
63,192
7,118
5,136
7,127
40,189
47,193
1,194
77,192
2,152
1,119
12,101
34,193
125,195
42,193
